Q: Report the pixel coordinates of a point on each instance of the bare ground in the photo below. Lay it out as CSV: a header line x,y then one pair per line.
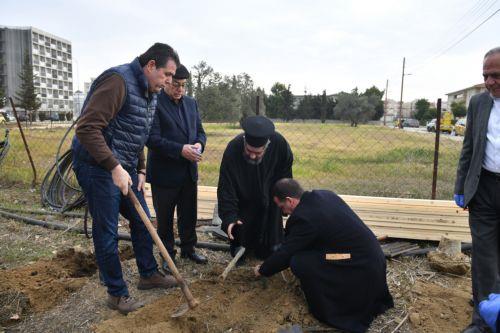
x,y
47,286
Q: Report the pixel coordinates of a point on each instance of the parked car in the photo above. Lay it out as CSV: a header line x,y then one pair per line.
x,y
431,125
459,128
9,117
409,122
53,116
22,116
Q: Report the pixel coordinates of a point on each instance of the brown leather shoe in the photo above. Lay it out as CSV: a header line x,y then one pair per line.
x,y
124,304
157,280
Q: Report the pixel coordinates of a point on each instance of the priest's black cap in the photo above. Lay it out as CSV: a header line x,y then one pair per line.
x,y
181,73
258,129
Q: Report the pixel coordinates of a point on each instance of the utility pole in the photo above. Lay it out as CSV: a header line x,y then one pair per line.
x,y
385,102
401,97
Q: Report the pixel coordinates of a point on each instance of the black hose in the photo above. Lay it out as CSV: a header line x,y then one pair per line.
x,y
79,230
425,250
42,212
55,189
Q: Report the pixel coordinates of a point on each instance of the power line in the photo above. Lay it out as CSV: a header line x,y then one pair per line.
x,y
468,34
458,41
456,29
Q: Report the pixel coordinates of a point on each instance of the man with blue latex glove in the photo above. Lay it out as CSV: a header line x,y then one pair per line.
x,y
478,185
459,200
490,309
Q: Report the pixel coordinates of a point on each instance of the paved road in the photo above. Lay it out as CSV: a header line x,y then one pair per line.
x,y
443,136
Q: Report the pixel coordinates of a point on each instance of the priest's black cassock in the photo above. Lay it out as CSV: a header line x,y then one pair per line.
x,y
244,193
338,260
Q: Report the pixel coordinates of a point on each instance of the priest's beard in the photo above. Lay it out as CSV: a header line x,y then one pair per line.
x,y
250,161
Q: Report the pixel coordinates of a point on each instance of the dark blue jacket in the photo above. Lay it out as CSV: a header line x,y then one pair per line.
x,y
166,167
127,133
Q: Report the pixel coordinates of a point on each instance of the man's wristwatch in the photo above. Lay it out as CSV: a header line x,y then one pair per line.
x,y
141,172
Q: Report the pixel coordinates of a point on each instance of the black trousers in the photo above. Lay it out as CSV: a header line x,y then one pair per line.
x,y
484,222
165,200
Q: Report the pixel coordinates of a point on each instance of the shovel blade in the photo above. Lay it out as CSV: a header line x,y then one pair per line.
x,y
181,310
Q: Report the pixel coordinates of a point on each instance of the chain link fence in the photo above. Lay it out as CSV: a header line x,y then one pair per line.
x,y
370,159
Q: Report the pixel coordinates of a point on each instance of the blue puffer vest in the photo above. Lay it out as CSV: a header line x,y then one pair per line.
x,y
127,133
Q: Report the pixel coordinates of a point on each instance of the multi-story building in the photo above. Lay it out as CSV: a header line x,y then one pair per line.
x,y
51,58
464,95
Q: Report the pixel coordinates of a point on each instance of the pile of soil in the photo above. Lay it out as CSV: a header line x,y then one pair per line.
x,y
458,264
241,303
441,309
41,285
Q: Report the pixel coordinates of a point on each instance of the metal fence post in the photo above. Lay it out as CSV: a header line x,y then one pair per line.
x,y
436,149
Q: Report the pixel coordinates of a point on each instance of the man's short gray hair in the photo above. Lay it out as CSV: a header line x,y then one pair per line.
x,y
492,52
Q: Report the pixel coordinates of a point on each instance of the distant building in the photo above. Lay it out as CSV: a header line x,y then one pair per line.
x,y
86,85
392,110
51,57
465,94
78,99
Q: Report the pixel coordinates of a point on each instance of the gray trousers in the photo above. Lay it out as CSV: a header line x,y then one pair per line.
x,y
484,222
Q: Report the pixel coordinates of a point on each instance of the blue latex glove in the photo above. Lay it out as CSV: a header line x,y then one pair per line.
x,y
489,309
459,200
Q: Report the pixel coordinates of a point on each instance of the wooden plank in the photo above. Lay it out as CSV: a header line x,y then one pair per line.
x,y
394,217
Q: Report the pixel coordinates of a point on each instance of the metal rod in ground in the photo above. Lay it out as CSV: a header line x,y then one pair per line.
x,y
233,262
436,149
33,183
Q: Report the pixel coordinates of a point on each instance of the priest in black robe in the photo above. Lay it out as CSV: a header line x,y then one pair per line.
x,y
336,257
252,162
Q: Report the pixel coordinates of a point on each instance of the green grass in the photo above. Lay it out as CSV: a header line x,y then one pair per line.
x,y
367,160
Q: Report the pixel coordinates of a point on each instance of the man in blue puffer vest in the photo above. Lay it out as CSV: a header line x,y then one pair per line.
x,y
108,157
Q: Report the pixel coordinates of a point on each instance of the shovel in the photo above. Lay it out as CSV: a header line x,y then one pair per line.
x,y
191,301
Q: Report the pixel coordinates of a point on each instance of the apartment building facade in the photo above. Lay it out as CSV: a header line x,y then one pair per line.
x,y
51,58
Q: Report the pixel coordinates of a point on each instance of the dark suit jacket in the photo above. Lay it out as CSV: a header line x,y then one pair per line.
x,y
166,167
324,223
471,158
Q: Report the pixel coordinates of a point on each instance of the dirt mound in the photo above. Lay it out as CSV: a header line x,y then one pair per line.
x,y
46,282
458,264
242,303
440,309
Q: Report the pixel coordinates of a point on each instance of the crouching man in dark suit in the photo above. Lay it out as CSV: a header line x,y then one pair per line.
x,y
338,260
176,143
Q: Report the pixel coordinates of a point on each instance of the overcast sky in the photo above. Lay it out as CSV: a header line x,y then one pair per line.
x,y
311,45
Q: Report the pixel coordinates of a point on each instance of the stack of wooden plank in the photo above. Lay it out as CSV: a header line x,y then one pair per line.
x,y
395,217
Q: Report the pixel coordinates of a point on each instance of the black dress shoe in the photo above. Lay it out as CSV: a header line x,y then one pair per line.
x,y
473,328
197,258
165,268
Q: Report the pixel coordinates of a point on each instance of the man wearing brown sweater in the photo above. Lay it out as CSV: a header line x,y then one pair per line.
x,y
108,157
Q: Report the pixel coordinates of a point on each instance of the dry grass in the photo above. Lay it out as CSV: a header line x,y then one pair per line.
x,y
367,160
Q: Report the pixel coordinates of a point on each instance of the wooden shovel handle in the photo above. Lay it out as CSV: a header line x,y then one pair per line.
x,y
192,302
